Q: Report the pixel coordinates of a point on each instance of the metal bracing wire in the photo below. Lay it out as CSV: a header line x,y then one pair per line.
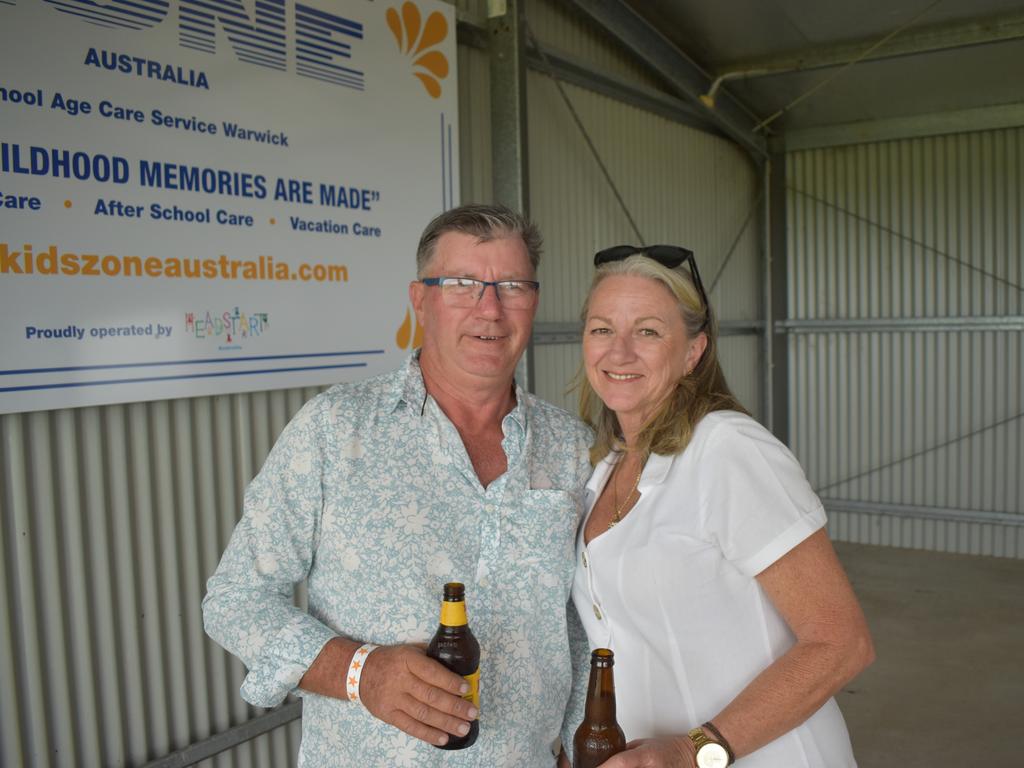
x,y
917,454
607,175
907,238
818,86
736,240
583,131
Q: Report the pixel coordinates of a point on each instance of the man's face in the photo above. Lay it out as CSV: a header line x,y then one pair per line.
x,y
483,342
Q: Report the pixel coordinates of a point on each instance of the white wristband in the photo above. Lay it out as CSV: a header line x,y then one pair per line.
x,y
355,670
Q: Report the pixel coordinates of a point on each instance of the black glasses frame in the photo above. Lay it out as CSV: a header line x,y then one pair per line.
x,y
670,256
439,282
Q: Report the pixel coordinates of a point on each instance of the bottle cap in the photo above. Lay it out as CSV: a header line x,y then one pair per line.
x,y
454,592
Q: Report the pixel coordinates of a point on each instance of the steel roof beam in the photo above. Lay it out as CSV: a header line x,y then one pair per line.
x,y
935,38
683,75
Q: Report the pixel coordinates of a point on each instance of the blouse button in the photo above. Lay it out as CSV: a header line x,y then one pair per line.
x,y
597,612
584,559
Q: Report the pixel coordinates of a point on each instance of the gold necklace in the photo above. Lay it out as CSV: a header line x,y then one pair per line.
x,y
617,515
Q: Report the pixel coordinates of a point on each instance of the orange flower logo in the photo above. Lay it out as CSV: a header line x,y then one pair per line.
x,y
415,38
407,338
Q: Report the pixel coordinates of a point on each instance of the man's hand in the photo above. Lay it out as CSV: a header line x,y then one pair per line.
x,y
402,686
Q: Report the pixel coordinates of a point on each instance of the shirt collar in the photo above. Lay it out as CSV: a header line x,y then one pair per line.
x,y
409,390
655,471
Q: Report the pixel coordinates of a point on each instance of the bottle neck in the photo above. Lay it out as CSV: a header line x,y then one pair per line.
x,y
453,614
601,695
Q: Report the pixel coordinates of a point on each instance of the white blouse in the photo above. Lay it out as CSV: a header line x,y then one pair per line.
x,y
671,589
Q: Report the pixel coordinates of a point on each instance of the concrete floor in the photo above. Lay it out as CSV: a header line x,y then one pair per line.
x,y
947,688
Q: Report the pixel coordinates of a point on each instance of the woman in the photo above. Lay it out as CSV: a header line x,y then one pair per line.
x,y
703,561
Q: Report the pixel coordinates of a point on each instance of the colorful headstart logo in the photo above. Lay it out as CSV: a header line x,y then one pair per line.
x,y
231,326
416,39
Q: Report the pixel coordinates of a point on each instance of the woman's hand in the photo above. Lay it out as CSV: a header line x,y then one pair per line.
x,y
664,752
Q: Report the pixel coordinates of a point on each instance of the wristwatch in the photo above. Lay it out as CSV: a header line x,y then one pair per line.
x,y
710,754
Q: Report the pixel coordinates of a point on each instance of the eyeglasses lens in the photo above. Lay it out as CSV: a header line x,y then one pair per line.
x,y
466,293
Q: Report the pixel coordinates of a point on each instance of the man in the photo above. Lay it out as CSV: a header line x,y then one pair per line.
x,y
379,492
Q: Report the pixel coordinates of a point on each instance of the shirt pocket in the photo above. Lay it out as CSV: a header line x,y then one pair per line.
x,y
541,531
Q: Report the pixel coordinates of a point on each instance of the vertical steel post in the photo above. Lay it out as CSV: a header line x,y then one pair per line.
x,y
506,29
778,305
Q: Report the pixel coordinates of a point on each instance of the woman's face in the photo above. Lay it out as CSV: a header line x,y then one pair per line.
x,y
635,346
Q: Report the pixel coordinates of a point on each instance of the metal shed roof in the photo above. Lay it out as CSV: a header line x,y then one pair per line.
x,y
827,71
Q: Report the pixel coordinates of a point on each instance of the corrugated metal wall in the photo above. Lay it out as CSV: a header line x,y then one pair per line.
x,y
681,186
914,397
113,517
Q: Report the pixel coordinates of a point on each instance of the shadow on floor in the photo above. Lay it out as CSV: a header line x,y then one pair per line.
x,y
947,688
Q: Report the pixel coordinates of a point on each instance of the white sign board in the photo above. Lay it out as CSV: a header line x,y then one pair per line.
x,y
206,196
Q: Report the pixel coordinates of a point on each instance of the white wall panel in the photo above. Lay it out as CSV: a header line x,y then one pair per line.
x,y
920,228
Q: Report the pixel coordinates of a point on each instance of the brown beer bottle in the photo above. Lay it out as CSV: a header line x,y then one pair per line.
x,y
454,646
599,735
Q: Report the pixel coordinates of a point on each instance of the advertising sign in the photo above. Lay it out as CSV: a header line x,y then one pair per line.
x,y
207,196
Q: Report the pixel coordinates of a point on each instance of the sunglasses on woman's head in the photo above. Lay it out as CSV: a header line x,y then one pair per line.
x,y
670,256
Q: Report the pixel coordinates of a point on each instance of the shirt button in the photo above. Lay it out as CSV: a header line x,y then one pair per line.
x,y
597,612
584,559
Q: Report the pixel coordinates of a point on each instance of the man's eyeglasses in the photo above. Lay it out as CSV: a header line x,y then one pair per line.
x,y
465,292
670,256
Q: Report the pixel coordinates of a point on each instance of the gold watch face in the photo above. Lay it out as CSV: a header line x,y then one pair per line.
x,y
712,755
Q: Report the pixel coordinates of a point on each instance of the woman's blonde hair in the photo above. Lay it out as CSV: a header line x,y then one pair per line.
x,y
698,393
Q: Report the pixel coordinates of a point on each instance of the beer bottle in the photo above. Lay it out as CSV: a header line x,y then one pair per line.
x,y
599,735
454,646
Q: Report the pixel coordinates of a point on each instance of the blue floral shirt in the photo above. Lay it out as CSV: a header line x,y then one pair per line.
x,y
369,495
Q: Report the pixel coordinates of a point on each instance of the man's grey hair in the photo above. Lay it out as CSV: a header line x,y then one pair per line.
x,y
484,222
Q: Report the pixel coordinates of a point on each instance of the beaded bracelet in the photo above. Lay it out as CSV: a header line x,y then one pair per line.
x,y
355,670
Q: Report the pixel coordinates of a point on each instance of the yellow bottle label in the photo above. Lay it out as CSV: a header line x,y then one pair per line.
x,y
453,614
473,695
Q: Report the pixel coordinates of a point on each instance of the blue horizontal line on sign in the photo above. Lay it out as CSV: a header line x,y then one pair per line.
x,y
197,30
333,21
337,50
266,35
123,7
302,63
96,18
329,79
272,9
196,41
219,9
324,64
198,361
107,382
306,25
76,9
274,60
261,63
